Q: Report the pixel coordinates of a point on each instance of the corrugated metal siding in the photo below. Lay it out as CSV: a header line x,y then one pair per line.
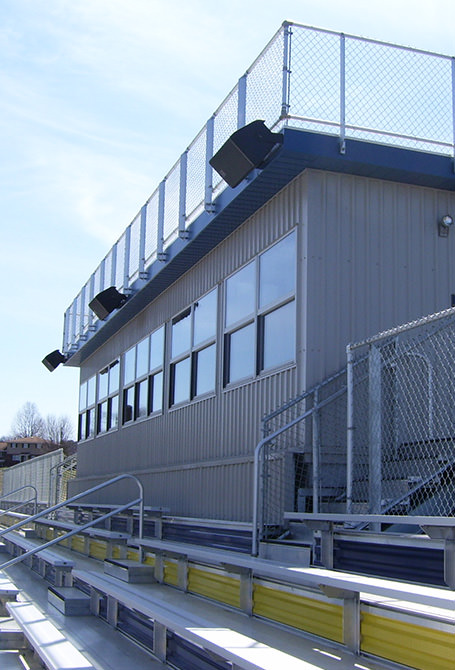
x,y
197,459
375,260
214,584
313,615
423,648
415,564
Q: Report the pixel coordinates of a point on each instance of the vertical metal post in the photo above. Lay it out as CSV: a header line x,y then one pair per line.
x,y
286,79
142,233
114,265
126,260
316,444
91,295
102,274
81,324
66,331
183,232
159,640
160,253
453,113
375,430
241,102
74,326
350,428
342,94
209,142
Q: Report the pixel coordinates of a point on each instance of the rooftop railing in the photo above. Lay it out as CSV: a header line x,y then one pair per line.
x,y
306,78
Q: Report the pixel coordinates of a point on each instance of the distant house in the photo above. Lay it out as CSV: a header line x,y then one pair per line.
x,y
22,449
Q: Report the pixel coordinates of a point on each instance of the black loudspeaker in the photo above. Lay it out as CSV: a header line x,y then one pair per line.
x,y
52,360
248,148
105,302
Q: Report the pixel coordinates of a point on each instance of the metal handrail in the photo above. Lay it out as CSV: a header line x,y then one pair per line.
x,y
5,512
61,538
85,526
54,477
270,438
21,488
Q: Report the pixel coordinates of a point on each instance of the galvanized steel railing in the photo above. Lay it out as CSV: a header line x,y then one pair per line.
x,y
93,522
309,78
401,419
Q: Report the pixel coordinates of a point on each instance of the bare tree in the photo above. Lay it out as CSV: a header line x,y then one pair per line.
x,y
27,422
57,429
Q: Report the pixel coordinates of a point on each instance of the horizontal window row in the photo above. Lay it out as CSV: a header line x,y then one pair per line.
x,y
250,317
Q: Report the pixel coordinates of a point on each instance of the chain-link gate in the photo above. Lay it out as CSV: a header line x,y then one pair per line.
x,y
300,464
401,424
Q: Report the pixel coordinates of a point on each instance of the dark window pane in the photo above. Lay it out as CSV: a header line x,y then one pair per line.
x,y
81,427
113,412
240,294
142,399
242,353
181,334
102,417
205,318
142,358
157,348
128,404
181,381
277,271
205,370
157,392
91,422
279,336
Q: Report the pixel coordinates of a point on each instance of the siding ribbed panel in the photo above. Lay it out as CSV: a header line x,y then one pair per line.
x,y
375,260
196,459
420,647
313,615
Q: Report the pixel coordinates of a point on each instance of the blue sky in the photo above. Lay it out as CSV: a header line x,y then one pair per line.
x,y
98,100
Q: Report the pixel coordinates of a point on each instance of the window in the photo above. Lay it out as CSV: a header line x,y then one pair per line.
x,y
259,327
87,409
143,377
108,384
193,350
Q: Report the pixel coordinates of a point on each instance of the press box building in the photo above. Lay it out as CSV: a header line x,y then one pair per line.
x,y
231,300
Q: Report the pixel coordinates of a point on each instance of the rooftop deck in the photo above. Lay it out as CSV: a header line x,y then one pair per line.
x,y
345,90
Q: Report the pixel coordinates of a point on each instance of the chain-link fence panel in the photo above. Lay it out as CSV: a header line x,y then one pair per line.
x,y
315,80
302,463
308,78
403,398
135,246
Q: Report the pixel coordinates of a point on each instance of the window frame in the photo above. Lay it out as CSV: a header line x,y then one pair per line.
x,y
257,319
192,353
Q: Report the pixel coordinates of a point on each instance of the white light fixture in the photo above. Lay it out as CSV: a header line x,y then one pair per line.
x,y
444,225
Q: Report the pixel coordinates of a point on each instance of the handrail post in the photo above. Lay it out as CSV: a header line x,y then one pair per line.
x,y
316,445
78,496
285,104
350,427
342,94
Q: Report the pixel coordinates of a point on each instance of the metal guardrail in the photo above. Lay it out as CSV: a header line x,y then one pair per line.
x,y
401,418
121,508
272,485
308,78
34,499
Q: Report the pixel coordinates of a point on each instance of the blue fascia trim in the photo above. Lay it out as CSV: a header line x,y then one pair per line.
x,y
300,150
